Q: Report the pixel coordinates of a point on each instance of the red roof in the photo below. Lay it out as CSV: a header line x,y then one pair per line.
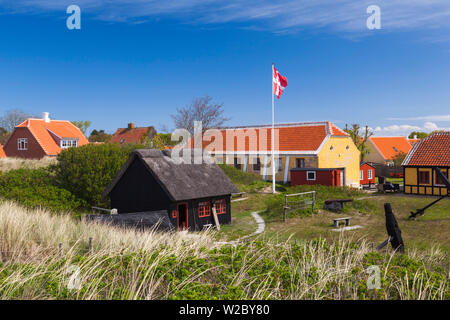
x,y
306,137
433,150
2,152
42,131
389,147
125,135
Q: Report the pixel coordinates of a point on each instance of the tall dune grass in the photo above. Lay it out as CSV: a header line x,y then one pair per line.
x,y
7,164
129,264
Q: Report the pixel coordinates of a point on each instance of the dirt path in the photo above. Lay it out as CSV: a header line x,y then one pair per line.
x,y
261,227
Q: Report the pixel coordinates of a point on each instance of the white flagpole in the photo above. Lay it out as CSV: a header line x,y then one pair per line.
x,y
273,137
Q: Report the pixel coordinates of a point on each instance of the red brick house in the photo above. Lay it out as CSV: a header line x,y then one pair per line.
x,y
37,138
366,174
2,152
131,134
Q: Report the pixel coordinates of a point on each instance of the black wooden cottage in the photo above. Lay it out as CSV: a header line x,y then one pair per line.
x,y
151,183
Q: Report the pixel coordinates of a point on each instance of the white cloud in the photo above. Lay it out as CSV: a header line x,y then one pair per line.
x,y
406,129
279,16
445,117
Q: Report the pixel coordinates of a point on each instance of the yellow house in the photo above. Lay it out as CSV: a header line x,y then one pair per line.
x,y
419,165
316,145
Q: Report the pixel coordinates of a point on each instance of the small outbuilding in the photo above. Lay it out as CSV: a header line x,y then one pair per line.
x,y
151,182
324,176
366,174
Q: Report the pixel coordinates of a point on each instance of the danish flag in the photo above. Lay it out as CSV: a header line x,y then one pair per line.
x,y
279,83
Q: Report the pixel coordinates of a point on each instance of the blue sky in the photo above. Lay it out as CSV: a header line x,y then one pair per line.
x,y
138,60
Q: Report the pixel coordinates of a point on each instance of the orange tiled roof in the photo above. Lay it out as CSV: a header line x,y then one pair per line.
x,y
125,135
43,131
292,137
433,150
389,147
2,152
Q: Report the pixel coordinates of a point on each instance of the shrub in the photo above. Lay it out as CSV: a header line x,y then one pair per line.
x,y
35,188
86,171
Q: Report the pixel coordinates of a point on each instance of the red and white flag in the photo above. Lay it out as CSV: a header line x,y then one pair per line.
x,y
279,83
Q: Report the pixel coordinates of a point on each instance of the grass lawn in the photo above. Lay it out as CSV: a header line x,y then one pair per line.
x,y
425,232
392,180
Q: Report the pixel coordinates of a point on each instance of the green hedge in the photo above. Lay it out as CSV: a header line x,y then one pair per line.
x,y
86,171
35,188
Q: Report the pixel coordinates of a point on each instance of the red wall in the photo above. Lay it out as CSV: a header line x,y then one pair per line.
x,y
34,151
323,177
365,167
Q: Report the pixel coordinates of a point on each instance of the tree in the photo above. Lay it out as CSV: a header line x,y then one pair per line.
x,y
420,135
12,118
4,135
360,140
201,109
398,158
99,136
82,125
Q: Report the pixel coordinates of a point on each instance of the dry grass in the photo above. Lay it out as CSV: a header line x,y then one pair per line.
x,y
127,264
7,164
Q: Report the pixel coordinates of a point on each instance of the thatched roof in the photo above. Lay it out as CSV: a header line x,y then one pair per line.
x,y
141,220
181,180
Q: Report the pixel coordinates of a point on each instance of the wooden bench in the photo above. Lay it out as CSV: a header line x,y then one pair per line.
x,y
337,220
207,226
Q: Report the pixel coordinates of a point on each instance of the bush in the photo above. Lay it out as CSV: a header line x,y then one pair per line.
x,y
35,188
86,171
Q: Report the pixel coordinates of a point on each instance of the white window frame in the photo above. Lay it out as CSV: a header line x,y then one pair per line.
x,y
25,144
361,174
369,174
307,176
67,143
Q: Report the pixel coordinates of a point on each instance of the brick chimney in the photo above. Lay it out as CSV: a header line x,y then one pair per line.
x,y
131,125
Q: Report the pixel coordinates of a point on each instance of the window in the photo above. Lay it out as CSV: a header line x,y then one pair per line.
x,y
22,144
204,209
67,143
257,165
174,214
280,164
361,174
237,163
369,174
310,175
221,206
300,162
424,177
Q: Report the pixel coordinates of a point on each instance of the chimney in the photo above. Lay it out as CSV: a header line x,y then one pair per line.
x,y
131,125
45,116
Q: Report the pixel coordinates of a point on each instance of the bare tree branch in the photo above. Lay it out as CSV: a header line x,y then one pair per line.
x,y
201,109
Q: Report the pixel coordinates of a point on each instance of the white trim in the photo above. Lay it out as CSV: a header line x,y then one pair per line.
x,y
315,175
323,143
25,143
369,174
286,168
299,152
361,174
265,168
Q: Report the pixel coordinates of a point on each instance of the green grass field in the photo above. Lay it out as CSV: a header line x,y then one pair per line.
x,y
425,232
